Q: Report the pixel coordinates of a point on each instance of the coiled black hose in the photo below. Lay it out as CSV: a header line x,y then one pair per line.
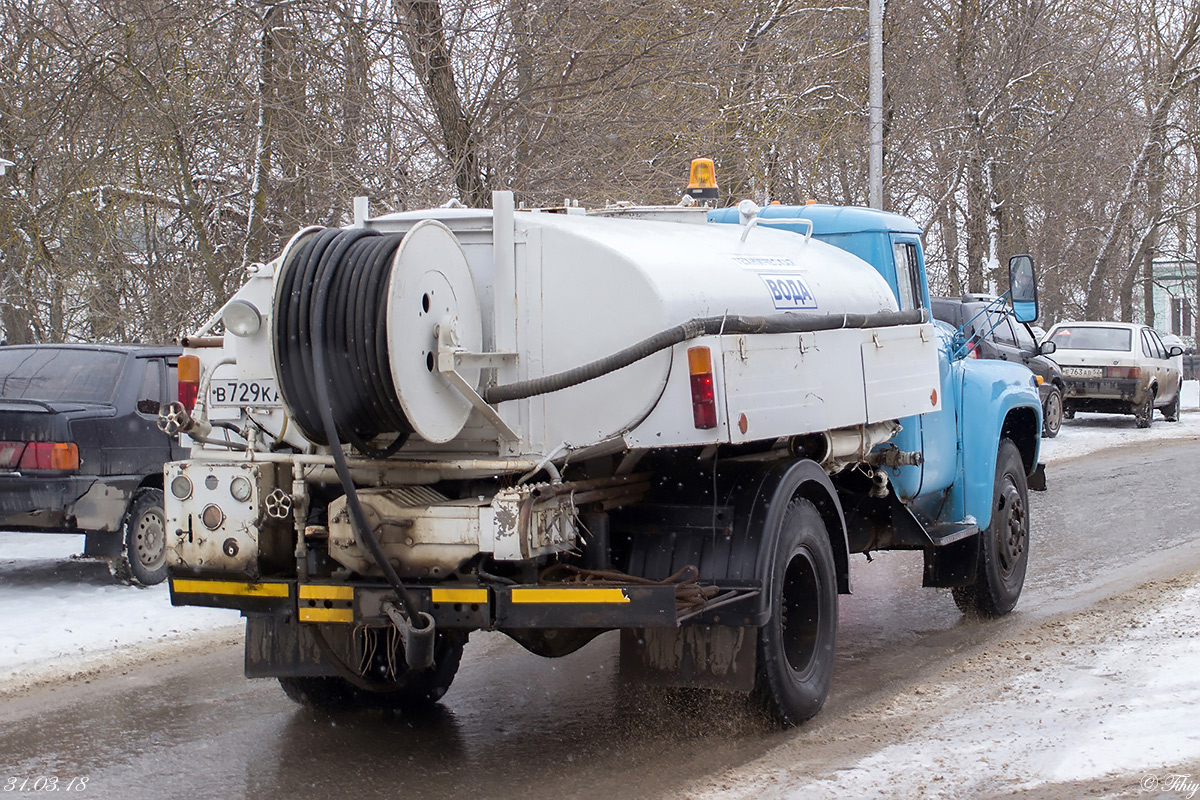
x,y
331,343
356,264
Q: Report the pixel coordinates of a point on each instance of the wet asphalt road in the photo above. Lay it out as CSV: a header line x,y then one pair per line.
x,y
515,725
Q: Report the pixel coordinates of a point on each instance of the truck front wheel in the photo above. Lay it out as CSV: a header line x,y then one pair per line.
x,y
1004,546
796,646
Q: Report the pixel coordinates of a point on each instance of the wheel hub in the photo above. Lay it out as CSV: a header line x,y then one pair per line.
x,y
1012,533
150,538
800,612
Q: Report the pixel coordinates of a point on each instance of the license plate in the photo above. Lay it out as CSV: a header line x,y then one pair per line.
x,y
260,393
1083,372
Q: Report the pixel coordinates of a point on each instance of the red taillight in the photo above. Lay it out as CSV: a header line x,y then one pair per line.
x,y
189,381
704,401
60,456
10,454
1123,372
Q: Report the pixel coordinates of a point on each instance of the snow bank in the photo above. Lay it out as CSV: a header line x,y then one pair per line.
x,y
64,615
1104,698
1088,433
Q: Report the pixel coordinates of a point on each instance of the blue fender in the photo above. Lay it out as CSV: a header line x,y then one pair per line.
x,y
998,400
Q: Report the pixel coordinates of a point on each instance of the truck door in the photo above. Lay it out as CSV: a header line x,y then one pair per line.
x,y
912,291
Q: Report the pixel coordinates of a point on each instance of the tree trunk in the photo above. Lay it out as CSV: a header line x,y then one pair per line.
x,y
425,39
1179,76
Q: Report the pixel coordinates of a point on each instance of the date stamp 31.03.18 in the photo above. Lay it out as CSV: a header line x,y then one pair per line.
x,y
45,783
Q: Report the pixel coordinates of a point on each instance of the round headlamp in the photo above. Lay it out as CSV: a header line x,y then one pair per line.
x,y
241,318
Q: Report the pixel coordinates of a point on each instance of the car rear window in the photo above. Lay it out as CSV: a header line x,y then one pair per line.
x,y
1070,338
53,374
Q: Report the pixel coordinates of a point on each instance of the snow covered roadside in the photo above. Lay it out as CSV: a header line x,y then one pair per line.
x,y
1100,703
65,617
1088,433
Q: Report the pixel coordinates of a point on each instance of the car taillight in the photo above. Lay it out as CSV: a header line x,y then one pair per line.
x,y
10,454
1123,372
60,456
189,381
704,401
972,352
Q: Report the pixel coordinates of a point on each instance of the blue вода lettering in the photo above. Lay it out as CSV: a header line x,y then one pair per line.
x,y
789,292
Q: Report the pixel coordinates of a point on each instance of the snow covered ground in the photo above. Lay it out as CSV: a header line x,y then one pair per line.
x,y
1088,433
1099,704
1102,703
1010,729
65,617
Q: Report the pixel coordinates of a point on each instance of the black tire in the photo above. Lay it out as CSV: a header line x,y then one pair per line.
x,y
145,533
1004,546
319,693
796,646
1068,412
1143,414
1052,413
1171,412
418,690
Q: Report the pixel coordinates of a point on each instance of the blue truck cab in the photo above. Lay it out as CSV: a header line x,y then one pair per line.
x,y
962,486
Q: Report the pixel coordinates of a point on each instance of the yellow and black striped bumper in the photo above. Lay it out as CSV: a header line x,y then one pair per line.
x,y
460,607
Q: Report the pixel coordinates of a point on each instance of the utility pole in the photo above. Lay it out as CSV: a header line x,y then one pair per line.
x,y
875,102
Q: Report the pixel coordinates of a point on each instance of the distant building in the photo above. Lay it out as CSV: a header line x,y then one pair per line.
x,y
1175,298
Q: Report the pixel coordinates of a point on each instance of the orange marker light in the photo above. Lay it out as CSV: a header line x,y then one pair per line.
x,y
189,381
704,400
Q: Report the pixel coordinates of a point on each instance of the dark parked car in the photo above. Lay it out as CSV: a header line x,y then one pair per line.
x,y
80,450
995,333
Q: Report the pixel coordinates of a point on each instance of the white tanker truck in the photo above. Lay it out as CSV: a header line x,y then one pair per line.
x,y
559,424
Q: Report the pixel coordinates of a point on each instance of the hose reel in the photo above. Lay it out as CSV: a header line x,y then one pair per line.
x,y
386,295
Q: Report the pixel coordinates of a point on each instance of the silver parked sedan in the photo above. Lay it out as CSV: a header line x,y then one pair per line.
x,y
1118,368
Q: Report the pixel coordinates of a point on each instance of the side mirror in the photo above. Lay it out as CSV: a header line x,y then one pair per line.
x,y
1022,288
1174,350
1046,348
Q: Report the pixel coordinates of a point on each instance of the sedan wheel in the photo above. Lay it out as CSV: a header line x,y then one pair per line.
x,y
1052,414
1143,414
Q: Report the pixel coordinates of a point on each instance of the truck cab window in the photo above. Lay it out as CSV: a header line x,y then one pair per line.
x,y
908,281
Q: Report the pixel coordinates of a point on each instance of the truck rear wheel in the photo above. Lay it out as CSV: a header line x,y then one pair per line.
x,y
145,533
412,692
1004,546
796,646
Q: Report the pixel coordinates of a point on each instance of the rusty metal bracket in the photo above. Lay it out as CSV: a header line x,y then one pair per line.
x,y
451,357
